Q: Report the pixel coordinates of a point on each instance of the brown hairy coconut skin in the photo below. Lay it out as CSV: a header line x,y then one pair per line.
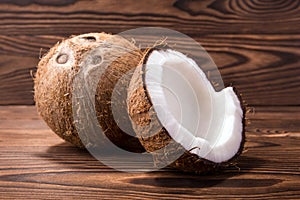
x,y
156,139
55,75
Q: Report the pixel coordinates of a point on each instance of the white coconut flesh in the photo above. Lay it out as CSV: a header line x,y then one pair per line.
x,y
205,122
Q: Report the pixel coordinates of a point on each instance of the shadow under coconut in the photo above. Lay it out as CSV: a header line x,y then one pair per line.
x,y
181,180
185,182
246,163
223,178
69,156
72,157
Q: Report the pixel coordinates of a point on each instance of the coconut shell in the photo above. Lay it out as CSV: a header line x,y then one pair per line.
x,y
55,75
156,139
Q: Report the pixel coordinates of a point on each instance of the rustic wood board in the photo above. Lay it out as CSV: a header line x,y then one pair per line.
x,y
256,44
36,164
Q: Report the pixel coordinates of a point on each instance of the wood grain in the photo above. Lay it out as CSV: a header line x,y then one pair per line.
x,y
36,164
254,43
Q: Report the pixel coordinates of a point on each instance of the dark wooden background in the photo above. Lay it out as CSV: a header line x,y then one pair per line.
x,y
256,45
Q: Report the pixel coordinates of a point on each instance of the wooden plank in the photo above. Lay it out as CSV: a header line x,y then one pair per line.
x,y
274,120
254,43
211,16
36,164
264,71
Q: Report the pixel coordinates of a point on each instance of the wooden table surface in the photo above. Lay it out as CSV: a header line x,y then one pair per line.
x,y
255,44
35,163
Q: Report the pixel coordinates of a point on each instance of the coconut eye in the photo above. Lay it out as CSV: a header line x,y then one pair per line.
x,y
62,58
89,38
96,60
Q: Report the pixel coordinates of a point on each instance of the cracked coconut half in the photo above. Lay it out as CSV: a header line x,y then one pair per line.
x,y
180,118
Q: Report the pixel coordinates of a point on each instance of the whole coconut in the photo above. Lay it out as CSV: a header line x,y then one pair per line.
x,y
55,75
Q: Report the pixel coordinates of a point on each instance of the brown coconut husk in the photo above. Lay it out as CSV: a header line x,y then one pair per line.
x,y
53,85
156,139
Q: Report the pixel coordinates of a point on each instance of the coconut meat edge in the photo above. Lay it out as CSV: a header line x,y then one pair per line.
x,y
205,122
